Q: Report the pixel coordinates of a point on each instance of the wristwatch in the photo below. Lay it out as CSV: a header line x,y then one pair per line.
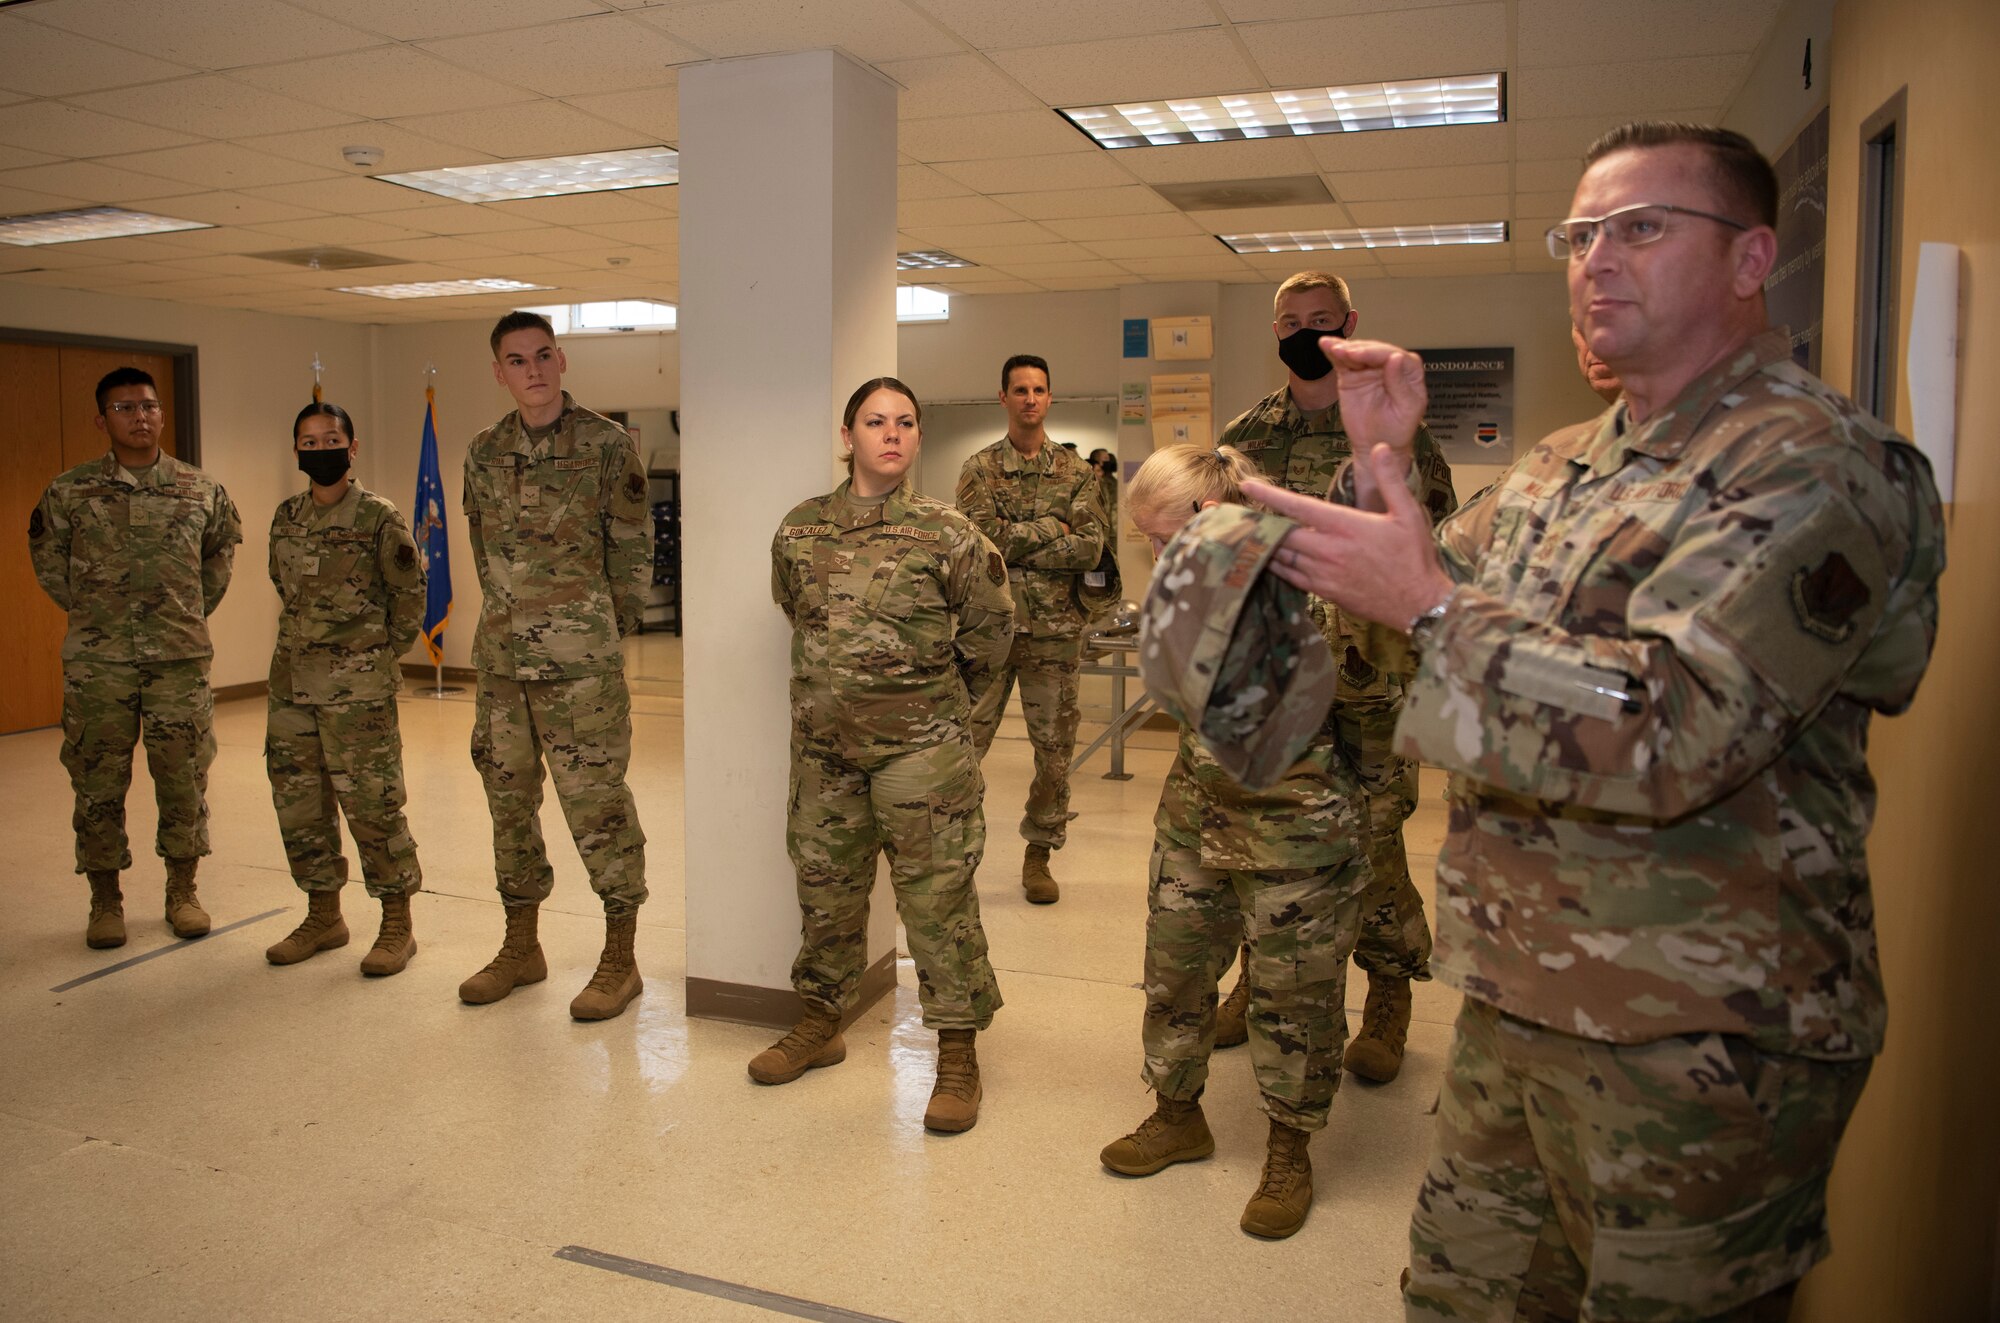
x,y
1424,625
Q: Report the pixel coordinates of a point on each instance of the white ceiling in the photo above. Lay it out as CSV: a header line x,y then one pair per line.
x,y
234,112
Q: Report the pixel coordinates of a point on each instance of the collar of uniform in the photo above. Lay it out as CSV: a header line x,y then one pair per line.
x,y
161,474
341,513
842,511
1667,433
1295,420
513,433
1012,460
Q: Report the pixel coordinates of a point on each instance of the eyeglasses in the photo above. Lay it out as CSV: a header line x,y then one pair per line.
x,y
126,408
1627,227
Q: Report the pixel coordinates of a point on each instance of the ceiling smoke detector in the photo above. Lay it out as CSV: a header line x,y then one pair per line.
x,y
361,156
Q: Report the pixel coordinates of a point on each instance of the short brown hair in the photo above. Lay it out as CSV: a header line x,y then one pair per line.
x,y
1313,280
519,320
1743,180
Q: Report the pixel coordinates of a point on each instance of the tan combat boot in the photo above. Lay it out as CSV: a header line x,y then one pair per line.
x,y
955,1097
1377,1051
321,930
395,943
184,913
107,910
1175,1132
616,982
518,964
1285,1195
1036,880
813,1042
1232,1017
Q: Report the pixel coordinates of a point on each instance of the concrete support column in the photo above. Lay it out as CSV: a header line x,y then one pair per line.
x,y
788,301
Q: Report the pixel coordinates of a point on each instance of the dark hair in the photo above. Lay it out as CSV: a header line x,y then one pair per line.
x,y
125,376
1040,365
1742,178
1101,451
869,387
320,408
518,320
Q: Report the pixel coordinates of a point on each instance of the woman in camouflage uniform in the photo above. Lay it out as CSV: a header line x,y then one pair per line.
x,y
1282,869
353,589
900,611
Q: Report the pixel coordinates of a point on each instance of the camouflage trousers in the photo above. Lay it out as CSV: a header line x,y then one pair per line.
x,y
582,728
1674,1180
107,707
349,756
1047,670
1395,936
1300,924
923,809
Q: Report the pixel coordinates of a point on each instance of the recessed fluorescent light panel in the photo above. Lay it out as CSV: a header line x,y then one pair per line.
x,y
88,223
1409,104
555,176
1388,236
441,289
930,259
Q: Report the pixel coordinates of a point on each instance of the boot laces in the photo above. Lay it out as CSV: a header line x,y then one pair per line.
x,y
1282,1166
806,1037
1378,1016
958,1071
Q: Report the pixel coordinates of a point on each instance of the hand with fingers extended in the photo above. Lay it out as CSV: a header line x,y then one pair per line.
x,y
1381,567
1382,402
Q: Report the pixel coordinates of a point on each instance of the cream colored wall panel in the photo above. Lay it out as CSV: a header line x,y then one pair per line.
x,y
1132,68
43,61
572,57
1360,48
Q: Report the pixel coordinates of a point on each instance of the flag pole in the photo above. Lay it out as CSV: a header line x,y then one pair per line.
x,y
438,689
318,394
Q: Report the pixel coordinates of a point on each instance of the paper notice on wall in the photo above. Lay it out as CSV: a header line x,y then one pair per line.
x,y
1132,403
1471,411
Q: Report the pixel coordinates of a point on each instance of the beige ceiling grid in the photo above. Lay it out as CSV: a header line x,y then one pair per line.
x,y
234,113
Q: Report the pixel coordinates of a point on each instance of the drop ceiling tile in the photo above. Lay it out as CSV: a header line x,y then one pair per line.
x,y
393,82
1543,204
653,111
1431,182
1362,48
1199,162
949,237
91,181
999,287
407,21
1575,32
544,239
435,248
453,218
1166,224
630,260
1033,173
43,61
656,232
541,269
134,249
1192,245
1186,268
1317,216
213,106
221,165
1001,254
1636,88
47,257
1444,270
355,195
225,208
193,287
220,265
1548,176
1566,138
539,128
1074,204
1432,211
345,231
572,57
1039,270
1409,149
916,183
1265,11
952,211
69,131
401,150
1129,69
225,240
1445,255
953,85
874,30
585,208
1074,284
13,158
214,34
990,137
28,201
1044,22
1349,264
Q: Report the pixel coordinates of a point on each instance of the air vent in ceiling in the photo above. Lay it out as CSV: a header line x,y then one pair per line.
x,y
1235,194
328,259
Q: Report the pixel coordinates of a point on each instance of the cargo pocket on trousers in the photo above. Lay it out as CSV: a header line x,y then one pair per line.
x,y
1708,1268
957,831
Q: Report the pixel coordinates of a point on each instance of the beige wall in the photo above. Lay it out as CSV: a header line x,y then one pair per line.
x,y
1917,1187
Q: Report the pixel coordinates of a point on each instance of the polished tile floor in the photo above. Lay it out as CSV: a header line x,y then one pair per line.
x,y
201,1135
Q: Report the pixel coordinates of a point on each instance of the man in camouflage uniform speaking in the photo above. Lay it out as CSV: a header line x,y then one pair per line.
x,y
138,548
1648,656
555,501
1295,435
1040,505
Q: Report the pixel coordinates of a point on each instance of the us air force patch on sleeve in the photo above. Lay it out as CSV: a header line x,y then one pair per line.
x,y
406,556
1827,597
36,524
996,568
635,486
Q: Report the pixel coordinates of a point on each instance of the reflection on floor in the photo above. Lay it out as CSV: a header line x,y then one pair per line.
x,y
205,1135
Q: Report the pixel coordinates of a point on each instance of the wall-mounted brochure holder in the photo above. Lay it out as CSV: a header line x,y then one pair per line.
x,y
1182,337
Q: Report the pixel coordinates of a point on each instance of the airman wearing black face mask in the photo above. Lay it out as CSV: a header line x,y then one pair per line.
x,y
1296,437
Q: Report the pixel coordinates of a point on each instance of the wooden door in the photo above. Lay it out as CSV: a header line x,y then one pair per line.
x,y
82,369
31,453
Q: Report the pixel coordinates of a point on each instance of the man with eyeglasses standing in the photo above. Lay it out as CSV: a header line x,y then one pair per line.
x,y
137,547
1295,435
1648,656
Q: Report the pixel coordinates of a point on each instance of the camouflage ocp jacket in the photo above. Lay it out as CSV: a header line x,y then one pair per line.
x,y
353,593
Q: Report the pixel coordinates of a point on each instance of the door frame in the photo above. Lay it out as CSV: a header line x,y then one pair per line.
x,y
187,400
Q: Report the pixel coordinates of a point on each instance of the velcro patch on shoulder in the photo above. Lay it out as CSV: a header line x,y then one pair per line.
x,y
911,531
406,556
36,524
808,530
1828,596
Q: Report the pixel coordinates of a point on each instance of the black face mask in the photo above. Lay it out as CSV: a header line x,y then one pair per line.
x,y
1301,352
324,467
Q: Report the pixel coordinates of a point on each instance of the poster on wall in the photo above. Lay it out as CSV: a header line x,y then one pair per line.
x,y
1471,410
1795,291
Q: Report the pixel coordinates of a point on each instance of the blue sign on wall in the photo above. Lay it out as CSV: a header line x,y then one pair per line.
x,y
1136,344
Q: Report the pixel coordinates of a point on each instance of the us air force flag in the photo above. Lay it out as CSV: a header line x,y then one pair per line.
x,y
432,545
